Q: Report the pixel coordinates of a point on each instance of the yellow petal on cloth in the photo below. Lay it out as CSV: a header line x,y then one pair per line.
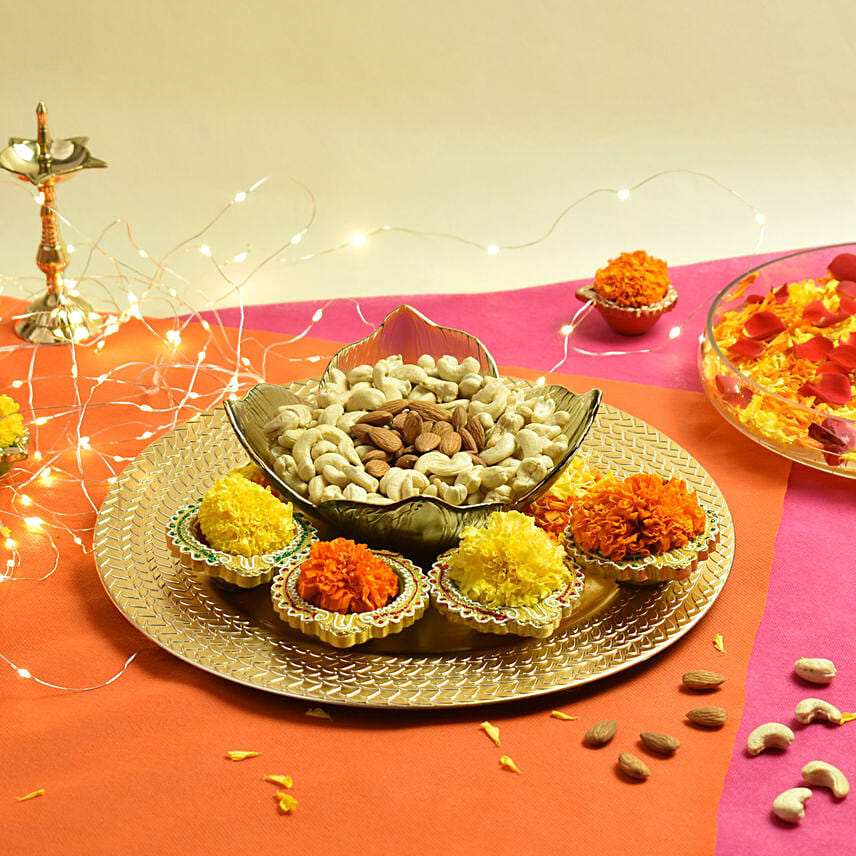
x,y
557,714
719,643
287,803
318,713
847,717
509,764
39,793
238,755
491,730
282,781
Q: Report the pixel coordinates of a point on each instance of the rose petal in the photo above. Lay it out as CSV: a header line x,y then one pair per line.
x,y
815,349
754,298
829,388
732,392
781,293
747,348
843,267
819,315
763,325
847,305
844,356
830,366
835,436
847,287
847,339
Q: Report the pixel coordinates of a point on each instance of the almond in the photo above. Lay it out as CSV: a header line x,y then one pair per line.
x,y
601,733
450,442
702,680
396,405
383,438
375,417
468,444
400,419
429,410
663,744
477,461
441,428
426,441
632,766
428,425
459,417
377,468
360,432
477,430
376,455
406,462
708,717
412,427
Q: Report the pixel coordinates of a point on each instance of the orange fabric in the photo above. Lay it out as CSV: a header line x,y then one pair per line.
x,y
140,766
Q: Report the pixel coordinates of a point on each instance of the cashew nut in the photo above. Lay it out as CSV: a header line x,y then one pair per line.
x,y
421,393
528,444
816,670
454,494
302,457
288,438
413,484
427,362
443,390
770,735
359,477
322,447
343,442
790,804
469,385
826,776
413,374
443,465
364,398
290,416
810,709
331,413
450,369
502,449
355,493
391,482
359,374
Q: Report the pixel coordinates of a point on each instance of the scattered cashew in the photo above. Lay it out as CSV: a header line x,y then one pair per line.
x,y
817,670
826,776
810,709
769,735
790,805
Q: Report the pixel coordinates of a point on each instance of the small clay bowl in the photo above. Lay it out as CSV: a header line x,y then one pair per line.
x,y
629,320
539,620
188,545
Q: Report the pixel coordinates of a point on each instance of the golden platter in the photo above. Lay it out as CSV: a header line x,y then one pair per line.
x,y
434,663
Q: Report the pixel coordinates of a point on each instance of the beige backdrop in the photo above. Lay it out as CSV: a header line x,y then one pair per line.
x,y
481,119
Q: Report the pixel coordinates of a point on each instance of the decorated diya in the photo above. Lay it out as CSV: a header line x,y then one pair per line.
x,y
506,577
641,530
238,533
345,594
631,292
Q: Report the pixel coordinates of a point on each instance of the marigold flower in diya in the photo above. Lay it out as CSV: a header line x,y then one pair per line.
x,y
631,292
240,517
633,279
346,577
11,423
508,562
643,515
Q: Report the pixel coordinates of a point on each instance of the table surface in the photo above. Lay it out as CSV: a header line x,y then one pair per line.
x,y
141,762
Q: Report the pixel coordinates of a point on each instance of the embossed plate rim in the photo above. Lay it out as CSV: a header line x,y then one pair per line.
x,y
235,646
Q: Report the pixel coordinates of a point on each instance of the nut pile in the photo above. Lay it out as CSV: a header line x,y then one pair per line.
x,y
394,430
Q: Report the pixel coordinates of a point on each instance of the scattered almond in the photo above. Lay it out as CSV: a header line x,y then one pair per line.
x,y
631,765
601,733
708,717
702,680
662,744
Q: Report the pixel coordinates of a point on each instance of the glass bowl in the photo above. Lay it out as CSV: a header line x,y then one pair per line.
x,y
821,435
420,523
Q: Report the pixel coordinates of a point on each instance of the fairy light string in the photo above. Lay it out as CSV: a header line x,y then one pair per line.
x,y
189,364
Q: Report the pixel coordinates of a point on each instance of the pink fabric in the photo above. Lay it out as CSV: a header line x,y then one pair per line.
x,y
812,597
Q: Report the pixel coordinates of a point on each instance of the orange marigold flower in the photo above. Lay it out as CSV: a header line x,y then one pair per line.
x,y
640,516
633,279
346,577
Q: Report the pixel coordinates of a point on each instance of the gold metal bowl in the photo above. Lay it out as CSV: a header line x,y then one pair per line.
x,y
418,524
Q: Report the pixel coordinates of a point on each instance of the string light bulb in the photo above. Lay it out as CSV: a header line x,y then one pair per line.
x,y
623,194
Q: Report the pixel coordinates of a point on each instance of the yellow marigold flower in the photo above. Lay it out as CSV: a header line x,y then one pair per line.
x,y
509,562
287,803
11,423
240,517
633,279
